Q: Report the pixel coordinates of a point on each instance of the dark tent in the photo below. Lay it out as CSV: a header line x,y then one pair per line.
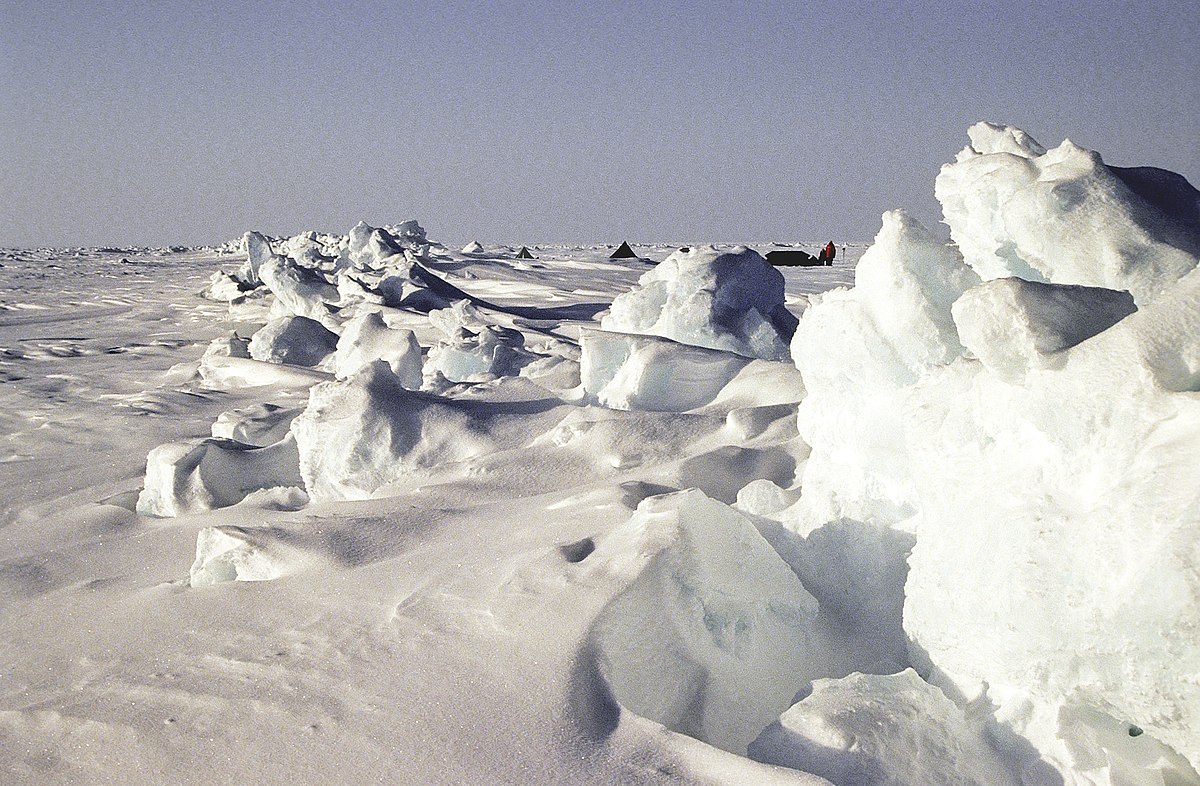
x,y
793,258
623,252
525,254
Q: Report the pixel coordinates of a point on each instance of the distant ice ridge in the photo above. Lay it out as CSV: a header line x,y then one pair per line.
x,y
1033,430
729,300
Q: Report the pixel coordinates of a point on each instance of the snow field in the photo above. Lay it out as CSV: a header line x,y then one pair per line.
x,y
462,517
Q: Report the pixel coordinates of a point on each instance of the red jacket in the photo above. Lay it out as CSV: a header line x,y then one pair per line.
x,y
830,251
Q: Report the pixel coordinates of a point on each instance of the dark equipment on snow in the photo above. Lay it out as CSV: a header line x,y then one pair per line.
x,y
793,258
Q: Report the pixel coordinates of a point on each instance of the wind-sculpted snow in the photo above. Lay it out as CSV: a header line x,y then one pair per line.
x,y
259,425
362,433
187,478
715,634
886,730
228,554
1062,216
426,512
727,300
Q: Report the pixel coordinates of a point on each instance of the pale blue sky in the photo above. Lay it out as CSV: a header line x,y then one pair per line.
x,y
156,123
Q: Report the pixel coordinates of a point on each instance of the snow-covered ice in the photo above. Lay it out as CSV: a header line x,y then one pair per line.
x,y
359,508
730,300
877,730
1063,216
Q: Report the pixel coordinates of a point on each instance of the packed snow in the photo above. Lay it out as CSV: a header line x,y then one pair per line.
x,y
360,508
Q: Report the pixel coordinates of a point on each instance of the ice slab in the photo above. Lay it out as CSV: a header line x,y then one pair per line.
x,y
1012,325
625,371
190,477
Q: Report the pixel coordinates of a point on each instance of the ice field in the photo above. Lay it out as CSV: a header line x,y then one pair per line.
x,y
383,508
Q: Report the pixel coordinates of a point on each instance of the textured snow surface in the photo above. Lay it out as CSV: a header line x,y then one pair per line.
x,y
716,634
882,730
359,508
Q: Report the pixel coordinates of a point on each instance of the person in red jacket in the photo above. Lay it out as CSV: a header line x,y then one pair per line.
x,y
828,253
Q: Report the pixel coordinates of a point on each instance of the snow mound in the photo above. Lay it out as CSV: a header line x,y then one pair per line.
x,y
855,348
367,338
1062,216
296,341
714,635
299,291
1012,325
188,477
259,425
881,730
367,431
762,497
225,288
474,350
624,371
728,300
231,554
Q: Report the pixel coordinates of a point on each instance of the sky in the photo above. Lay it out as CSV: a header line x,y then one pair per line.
x,y
154,123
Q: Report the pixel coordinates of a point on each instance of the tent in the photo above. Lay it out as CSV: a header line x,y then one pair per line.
x,y
525,254
623,252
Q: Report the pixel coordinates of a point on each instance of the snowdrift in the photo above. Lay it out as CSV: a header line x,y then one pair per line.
x,y
715,634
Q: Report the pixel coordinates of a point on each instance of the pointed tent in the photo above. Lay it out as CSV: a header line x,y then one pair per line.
x,y
525,254
623,252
